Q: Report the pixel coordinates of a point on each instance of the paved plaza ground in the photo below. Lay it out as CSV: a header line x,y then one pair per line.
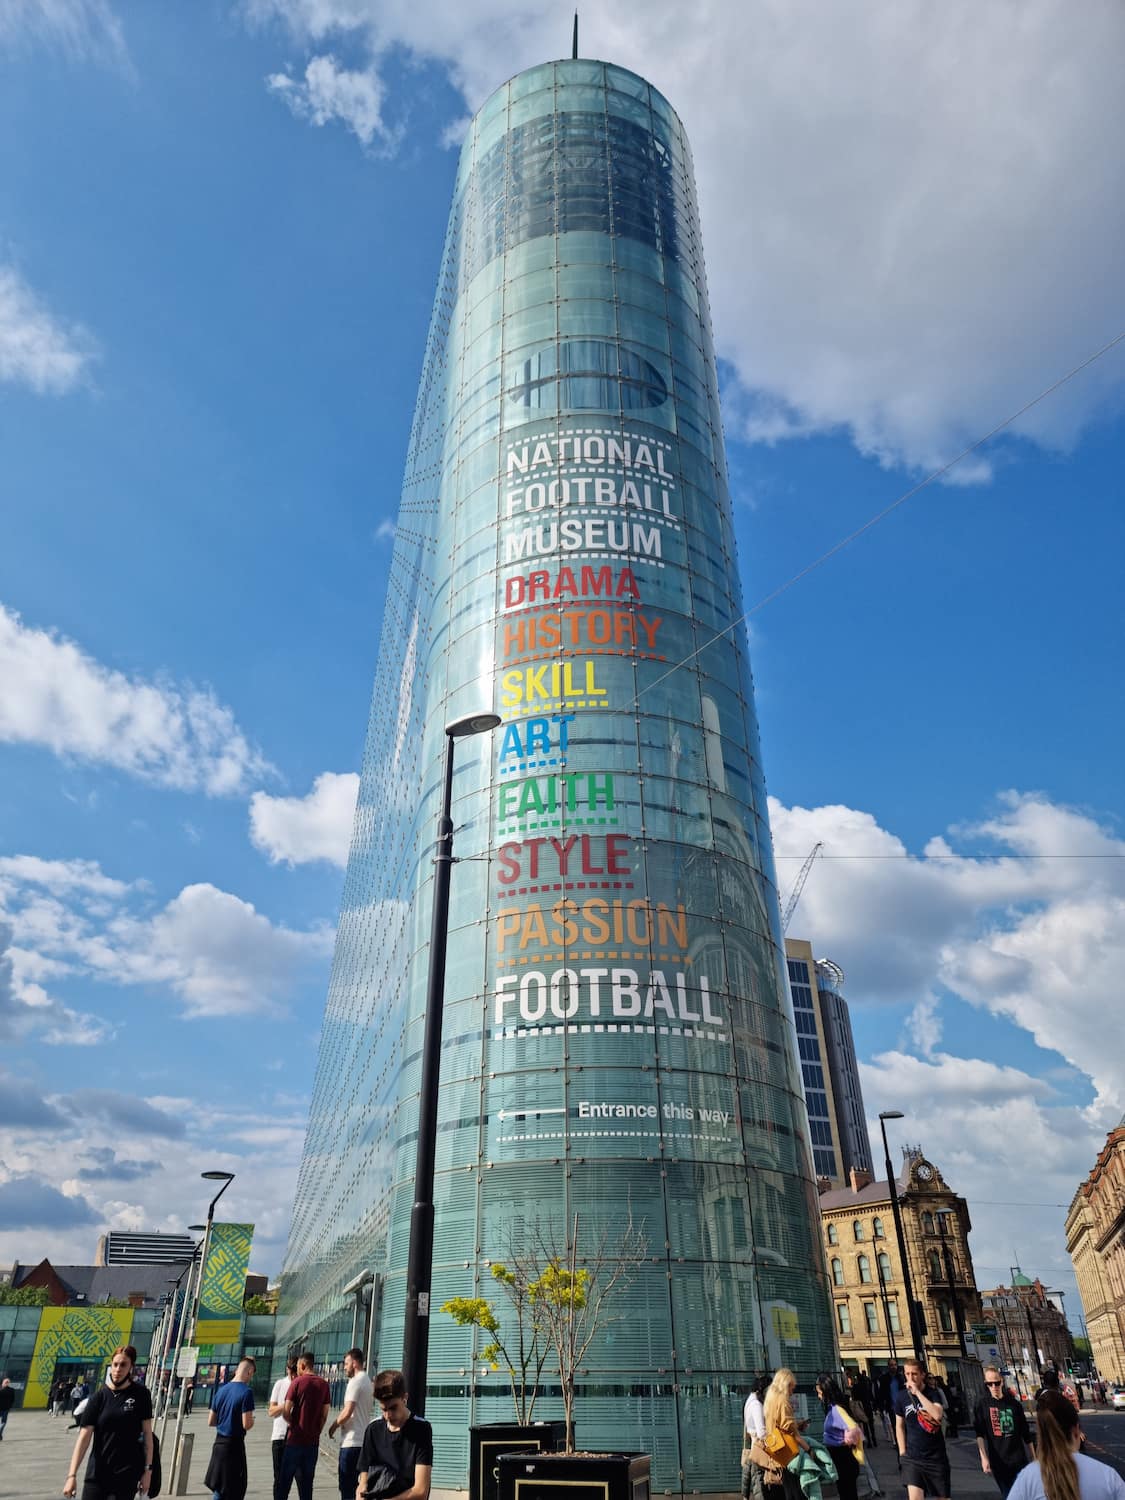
x,y
35,1456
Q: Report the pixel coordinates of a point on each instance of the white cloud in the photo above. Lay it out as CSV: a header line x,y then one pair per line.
x,y
59,875
38,1132
330,93
943,1078
899,245
1001,1141
83,28
1037,939
209,949
57,696
214,950
297,830
36,350
385,531
26,1008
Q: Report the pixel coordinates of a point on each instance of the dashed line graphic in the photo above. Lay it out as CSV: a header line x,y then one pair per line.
x,y
504,829
565,885
532,765
647,1135
559,652
595,509
663,954
597,1028
554,705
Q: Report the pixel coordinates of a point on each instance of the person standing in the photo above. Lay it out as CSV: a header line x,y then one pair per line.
x,y
862,1404
117,1423
890,1383
277,1412
232,1417
353,1419
753,1426
842,1436
918,1415
79,1392
1053,1381
1003,1436
7,1401
1060,1471
397,1440
778,1410
306,1410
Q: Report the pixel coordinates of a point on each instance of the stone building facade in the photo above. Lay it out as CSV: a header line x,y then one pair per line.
x,y
1031,1333
1095,1241
865,1277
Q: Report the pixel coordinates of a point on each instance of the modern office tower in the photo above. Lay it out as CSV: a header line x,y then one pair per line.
x,y
618,1038
828,1065
812,1046
123,1247
847,1094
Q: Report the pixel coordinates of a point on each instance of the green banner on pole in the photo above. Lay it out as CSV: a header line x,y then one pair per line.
x,y
224,1284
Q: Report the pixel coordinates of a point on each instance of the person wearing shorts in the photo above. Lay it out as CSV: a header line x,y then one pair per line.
x,y
919,1410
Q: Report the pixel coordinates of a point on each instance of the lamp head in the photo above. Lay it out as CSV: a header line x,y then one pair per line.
x,y
891,1114
217,1176
472,724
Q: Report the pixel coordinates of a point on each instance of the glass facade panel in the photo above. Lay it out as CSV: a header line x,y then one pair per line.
x,y
618,1040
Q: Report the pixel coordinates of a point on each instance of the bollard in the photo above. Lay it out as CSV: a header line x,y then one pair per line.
x,y
183,1464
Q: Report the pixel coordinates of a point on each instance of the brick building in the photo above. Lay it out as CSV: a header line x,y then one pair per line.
x,y
1095,1241
865,1269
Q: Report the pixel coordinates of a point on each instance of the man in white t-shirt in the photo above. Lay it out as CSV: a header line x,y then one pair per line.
x,y
352,1422
277,1412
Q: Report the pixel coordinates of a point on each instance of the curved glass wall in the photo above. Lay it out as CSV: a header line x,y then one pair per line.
x,y
618,1036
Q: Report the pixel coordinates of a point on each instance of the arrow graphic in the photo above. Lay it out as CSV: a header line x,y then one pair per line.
x,y
522,1114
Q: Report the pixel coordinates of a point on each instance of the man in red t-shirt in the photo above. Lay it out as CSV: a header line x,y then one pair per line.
x,y
306,1411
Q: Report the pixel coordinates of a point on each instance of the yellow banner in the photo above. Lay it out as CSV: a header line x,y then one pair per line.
x,y
224,1284
88,1333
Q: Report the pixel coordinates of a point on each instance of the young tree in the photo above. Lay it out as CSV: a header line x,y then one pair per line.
x,y
526,1360
559,1299
572,1293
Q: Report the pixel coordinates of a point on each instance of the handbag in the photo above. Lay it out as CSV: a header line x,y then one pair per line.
x,y
781,1446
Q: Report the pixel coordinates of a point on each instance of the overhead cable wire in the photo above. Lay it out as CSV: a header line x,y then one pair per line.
x,y
935,858
881,515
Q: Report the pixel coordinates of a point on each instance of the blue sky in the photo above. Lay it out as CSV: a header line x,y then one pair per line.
x,y
218,245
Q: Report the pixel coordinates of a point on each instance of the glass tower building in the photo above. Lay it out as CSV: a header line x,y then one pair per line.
x,y
618,1035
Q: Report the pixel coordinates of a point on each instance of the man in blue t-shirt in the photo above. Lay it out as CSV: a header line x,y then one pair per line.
x,y
232,1416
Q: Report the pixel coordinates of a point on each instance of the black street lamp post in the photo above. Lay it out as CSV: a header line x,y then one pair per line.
x,y
420,1253
191,1318
947,1256
886,1309
896,1212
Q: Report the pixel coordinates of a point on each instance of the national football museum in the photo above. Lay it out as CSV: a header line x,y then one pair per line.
x,y
618,1038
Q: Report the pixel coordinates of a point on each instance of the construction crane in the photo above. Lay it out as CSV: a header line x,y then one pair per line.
x,y
795,894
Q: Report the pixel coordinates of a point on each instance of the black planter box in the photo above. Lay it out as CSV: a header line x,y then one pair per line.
x,y
490,1439
574,1476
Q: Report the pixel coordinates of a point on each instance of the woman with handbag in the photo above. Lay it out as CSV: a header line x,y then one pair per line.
x,y
753,1431
783,1440
842,1436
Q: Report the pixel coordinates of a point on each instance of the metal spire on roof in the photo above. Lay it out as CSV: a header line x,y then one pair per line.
x,y
574,43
